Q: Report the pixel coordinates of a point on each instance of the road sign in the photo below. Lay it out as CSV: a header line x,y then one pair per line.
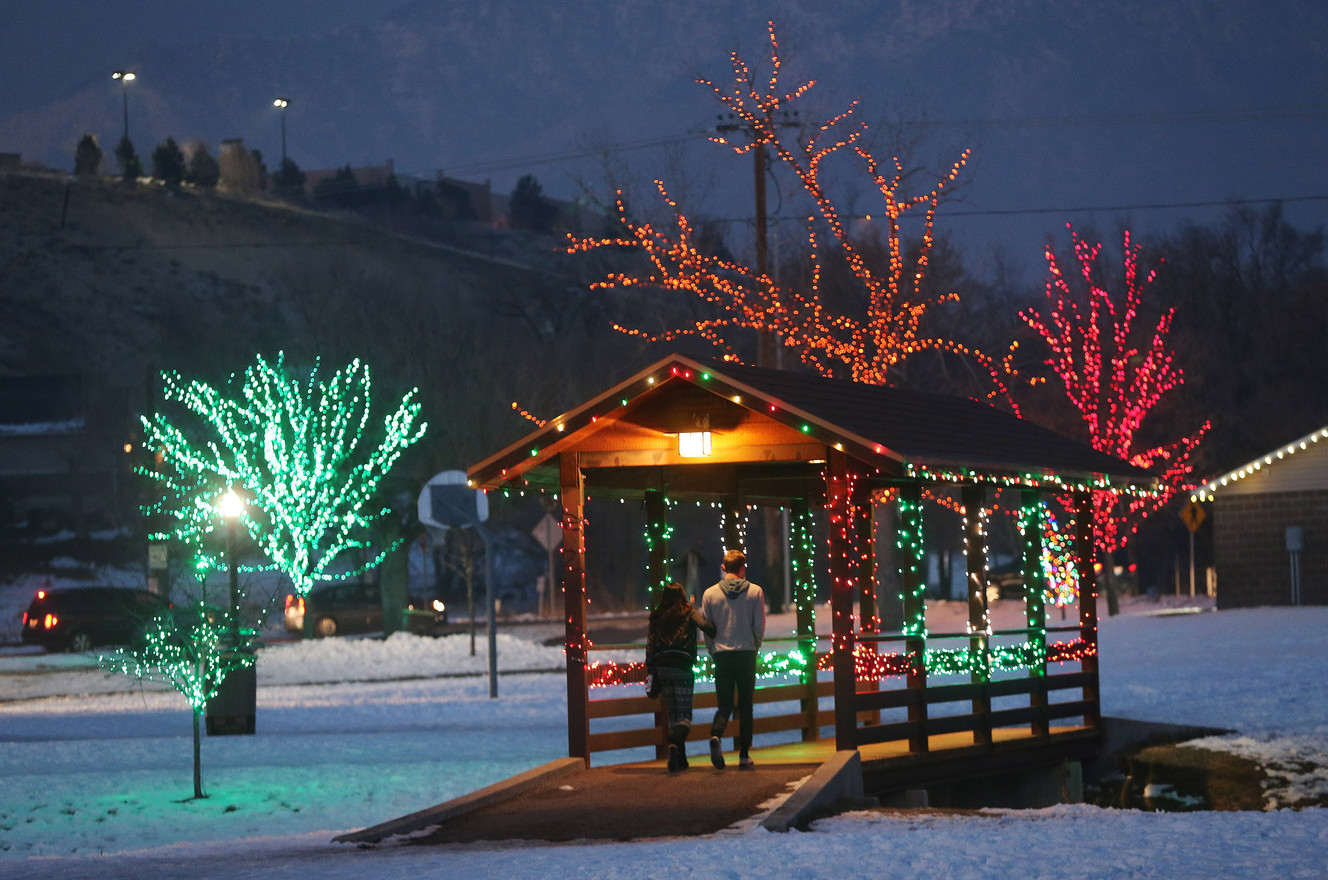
x,y
447,502
548,532
1193,515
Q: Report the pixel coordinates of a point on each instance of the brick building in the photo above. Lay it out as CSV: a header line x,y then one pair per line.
x,y
1270,526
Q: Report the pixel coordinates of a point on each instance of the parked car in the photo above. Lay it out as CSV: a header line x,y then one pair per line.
x,y
339,609
81,618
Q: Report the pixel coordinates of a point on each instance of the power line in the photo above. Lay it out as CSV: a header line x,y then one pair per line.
x,y
942,213
1235,115
1147,206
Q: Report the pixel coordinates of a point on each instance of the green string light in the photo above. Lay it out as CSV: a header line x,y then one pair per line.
x,y
305,455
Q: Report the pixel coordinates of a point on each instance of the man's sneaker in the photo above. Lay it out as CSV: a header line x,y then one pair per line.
x,y
676,760
745,763
716,753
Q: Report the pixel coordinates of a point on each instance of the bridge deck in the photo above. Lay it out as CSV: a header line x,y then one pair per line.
x,y
644,800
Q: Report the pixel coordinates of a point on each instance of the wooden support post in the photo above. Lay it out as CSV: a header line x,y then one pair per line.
x,y
869,620
1085,552
909,542
573,494
1035,612
804,603
975,549
657,569
657,544
843,571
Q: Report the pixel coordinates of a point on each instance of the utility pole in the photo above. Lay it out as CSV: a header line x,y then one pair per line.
x,y
767,355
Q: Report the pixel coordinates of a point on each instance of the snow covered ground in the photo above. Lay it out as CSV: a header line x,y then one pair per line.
x,y
95,775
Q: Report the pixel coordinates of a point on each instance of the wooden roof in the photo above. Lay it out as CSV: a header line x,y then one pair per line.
x,y
771,425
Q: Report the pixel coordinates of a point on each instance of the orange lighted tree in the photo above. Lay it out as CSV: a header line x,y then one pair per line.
x,y
1114,373
862,347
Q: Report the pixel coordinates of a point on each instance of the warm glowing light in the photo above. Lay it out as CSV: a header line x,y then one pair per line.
x,y
694,444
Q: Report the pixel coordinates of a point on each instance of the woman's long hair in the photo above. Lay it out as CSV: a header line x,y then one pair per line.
x,y
669,619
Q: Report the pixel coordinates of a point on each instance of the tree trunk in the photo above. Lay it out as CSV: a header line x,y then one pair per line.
x,y
393,573
1109,587
198,757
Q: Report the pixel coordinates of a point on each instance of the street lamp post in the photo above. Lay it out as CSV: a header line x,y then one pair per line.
x,y
281,104
231,508
125,77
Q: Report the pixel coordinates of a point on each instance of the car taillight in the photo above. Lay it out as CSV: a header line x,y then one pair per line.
x,y
50,621
295,603
25,618
41,594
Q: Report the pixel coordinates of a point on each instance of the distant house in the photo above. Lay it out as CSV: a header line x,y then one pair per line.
x,y
1270,526
62,460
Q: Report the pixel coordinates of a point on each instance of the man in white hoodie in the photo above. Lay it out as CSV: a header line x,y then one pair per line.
x,y
737,608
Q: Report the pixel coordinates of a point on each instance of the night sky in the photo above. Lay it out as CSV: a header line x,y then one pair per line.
x,y
1103,114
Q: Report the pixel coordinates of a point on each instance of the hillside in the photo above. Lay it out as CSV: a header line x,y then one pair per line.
x,y
116,282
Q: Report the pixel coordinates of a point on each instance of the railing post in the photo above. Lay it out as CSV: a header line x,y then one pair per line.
x,y
1085,551
572,494
979,623
1035,612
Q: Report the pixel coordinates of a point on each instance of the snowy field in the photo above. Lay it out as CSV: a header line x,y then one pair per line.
x,y
95,775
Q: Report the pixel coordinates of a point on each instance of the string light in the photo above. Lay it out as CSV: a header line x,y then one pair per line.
x,y
1209,488
866,348
304,453
1114,376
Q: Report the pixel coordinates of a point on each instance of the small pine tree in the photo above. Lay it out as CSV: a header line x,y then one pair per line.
x,y
88,156
341,190
168,162
131,167
289,179
529,209
203,170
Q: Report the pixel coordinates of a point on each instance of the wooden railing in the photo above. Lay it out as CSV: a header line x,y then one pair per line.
x,y
874,701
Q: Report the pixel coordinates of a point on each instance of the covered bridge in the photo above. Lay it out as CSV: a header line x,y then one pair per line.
x,y
742,437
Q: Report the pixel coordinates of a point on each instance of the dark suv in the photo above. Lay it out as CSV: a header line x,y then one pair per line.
x,y
356,608
80,618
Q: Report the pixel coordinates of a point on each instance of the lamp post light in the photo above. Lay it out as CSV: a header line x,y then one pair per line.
x,y
231,506
281,104
125,77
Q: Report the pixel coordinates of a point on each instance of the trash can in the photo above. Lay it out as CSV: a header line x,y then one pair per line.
x,y
232,710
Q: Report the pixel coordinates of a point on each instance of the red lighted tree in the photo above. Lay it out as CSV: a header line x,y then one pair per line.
x,y
1115,369
865,347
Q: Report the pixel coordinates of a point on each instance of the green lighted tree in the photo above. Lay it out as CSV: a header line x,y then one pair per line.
x,y
304,454
191,656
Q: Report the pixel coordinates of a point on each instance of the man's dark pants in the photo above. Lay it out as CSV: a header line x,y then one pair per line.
x,y
735,669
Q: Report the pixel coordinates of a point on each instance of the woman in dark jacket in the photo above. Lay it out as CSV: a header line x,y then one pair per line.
x,y
670,653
